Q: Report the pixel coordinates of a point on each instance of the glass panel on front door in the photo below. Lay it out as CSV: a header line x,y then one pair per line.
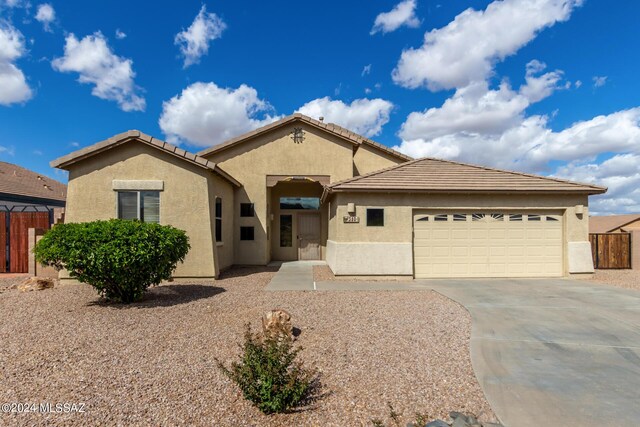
x,y
286,231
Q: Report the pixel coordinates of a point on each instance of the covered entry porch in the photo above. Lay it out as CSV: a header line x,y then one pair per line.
x,y
298,222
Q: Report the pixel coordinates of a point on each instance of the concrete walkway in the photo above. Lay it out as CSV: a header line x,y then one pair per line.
x,y
294,276
554,352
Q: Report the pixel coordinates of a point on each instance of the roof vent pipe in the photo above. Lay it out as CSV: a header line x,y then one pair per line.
x,y
321,118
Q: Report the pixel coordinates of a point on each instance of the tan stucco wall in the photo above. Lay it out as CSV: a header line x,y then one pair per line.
x,y
368,159
186,201
398,221
275,153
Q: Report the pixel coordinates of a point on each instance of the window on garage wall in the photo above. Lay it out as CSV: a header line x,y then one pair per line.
x,y
375,217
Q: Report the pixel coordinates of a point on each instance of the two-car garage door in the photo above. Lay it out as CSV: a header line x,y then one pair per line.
x,y
487,244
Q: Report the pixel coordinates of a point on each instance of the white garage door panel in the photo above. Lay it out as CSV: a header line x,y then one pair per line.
x,y
488,244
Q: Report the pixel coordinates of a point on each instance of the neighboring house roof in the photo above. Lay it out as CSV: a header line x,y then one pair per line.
x,y
65,161
606,224
18,181
434,175
332,128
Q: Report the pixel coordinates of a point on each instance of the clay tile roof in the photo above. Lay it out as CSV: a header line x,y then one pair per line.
x,y
135,135
352,137
18,181
604,224
434,175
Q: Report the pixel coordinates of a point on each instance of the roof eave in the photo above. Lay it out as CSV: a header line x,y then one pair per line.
x,y
65,161
464,191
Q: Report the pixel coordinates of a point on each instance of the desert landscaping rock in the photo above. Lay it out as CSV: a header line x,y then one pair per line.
x,y
34,284
628,279
153,362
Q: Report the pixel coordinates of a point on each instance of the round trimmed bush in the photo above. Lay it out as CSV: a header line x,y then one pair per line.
x,y
120,258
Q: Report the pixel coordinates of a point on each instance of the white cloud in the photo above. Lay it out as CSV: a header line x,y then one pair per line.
x,y
363,116
366,70
466,49
473,109
11,3
476,109
46,15
578,83
205,114
120,34
599,81
194,41
404,13
538,87
530,144
620,174
111,75
12,80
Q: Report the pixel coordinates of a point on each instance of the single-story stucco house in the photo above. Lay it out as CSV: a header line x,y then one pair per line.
x,y
302,189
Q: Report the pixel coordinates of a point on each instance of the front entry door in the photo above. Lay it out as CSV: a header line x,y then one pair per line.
x,y
309,236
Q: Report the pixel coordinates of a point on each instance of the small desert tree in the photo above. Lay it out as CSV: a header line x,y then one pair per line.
x,y
269,374
120,258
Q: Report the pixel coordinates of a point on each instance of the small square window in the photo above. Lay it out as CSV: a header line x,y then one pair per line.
x,y
441,217
459,217
246,210
375,217
515,217
534,217
246,233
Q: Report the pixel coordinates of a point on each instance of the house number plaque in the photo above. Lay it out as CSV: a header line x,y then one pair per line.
x,y
351,219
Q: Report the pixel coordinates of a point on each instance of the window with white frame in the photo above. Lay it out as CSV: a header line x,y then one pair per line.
x,y
141,205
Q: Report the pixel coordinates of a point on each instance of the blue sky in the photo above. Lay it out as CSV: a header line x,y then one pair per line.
x,y
543,86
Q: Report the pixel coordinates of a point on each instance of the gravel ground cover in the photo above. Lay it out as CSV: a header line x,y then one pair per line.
x,y
628,279
322,273
8,279
153,362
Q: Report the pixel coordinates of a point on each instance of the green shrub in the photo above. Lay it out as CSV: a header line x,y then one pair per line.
x,y
268,374
120,258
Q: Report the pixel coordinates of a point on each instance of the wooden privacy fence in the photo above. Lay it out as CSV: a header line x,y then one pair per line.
x,y
14,238
611,250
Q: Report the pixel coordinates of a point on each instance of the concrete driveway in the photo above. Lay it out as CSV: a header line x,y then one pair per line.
x,y
554,352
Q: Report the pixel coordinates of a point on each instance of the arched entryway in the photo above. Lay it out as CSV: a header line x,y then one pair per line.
x,y
298,222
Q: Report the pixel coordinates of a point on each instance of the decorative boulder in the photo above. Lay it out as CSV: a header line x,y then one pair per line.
x,y
277,324
34,284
